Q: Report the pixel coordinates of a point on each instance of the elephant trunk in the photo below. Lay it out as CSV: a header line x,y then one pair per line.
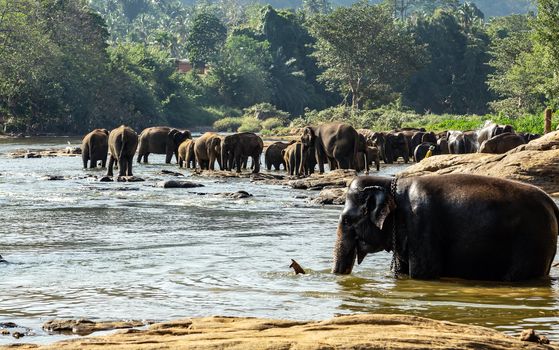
x,y
345,252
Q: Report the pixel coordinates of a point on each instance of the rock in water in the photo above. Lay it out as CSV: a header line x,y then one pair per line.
x,y
296,267
178,184
531,336
173,173
235,195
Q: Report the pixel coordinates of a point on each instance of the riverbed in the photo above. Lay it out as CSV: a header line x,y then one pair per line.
x,y
79,248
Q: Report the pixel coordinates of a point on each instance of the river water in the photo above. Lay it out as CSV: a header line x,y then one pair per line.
x,y
111,251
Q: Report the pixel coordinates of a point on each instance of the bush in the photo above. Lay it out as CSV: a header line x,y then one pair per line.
x,y
264,111
229,124
250,124
272,123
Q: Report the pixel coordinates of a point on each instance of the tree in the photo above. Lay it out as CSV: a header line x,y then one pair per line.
x,y
547,35
363,51
519,67
207,34
240,76
315,7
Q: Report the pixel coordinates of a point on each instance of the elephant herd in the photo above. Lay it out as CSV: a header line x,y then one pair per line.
x,y
336,144
230,151
417,143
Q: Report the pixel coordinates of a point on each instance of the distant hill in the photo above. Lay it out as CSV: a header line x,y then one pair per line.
x,y
491,8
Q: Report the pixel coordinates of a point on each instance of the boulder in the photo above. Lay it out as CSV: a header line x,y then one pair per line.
x,y
345,332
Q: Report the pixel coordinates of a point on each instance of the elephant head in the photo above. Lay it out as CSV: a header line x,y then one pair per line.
x,y
429,137
177,137
309,137
362,226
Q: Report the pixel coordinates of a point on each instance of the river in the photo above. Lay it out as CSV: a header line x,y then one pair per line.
x,y
79,248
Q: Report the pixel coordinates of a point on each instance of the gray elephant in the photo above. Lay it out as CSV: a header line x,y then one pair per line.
x,y
273,155
235,148
501,143
207,149
123,142
95,147
490,130
395,146
186,154
458,225
293,158
460,142
161,140
335,142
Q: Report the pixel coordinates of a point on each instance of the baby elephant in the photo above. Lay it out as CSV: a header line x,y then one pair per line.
x,y
123,142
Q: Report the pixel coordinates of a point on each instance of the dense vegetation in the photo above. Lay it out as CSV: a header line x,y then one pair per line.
x,y
67,66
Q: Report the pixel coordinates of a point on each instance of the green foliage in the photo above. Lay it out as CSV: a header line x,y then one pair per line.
x,y
229,124
363,51
264,111
207,35
273,123
240,77
250,124
547,35
454,81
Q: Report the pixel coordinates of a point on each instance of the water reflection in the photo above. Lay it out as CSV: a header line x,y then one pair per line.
x,y
507,307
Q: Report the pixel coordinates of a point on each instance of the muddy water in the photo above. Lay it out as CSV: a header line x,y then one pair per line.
x,y
81,248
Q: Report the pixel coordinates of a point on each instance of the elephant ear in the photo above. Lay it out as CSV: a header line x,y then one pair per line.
x,y
379,204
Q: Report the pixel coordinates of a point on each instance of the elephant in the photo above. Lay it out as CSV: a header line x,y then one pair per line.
x,y
234,148
362,157
490,130
419,137
378,140
461,142
454,225
529,137
423,149
443,145
309,161
408,134
293,158
334,142
273,155
373,156
395,146
187,157
501,143
161,140
123,142
95,147
207,149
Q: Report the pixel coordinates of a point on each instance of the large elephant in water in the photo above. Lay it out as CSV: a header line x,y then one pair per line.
x,y
336,143
161,140
95,147
463,226
123,142
238,147
395,146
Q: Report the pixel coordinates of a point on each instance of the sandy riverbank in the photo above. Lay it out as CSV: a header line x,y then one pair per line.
x,y
346,332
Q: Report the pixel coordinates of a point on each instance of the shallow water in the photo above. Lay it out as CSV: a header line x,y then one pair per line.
x,y
81,248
